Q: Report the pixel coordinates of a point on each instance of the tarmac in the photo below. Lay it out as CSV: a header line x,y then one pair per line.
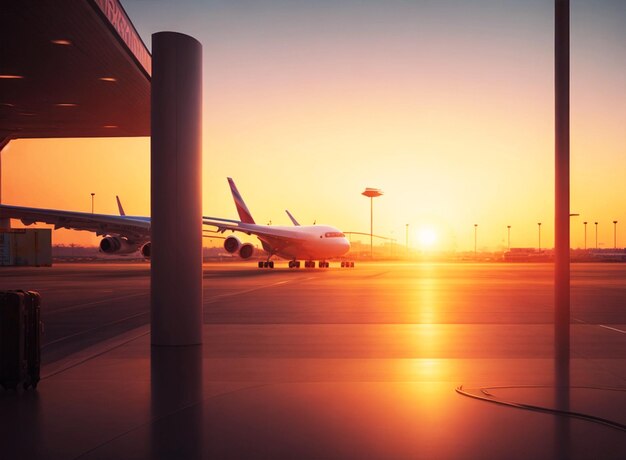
x,y
338,363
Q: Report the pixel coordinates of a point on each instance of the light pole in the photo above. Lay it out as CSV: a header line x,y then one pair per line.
x,y
539,227
585,224
596,234
614,234
92,195
407,238
508,231
372,193
475,241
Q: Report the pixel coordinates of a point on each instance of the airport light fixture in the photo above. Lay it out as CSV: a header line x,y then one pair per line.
x,y
61,42
614,234
539,228
372,193
92,197
585,224
596,234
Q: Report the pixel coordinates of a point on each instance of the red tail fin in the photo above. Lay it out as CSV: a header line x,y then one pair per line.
x,y
242,209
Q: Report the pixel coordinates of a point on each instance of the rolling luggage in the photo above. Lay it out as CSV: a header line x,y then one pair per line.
x,y
20,339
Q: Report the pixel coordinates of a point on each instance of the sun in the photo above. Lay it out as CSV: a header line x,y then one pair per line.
x,y
427,237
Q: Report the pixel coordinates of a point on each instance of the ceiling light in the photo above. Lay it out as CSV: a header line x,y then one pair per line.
x,y
66,104
61,42
112,79
110,126
10,77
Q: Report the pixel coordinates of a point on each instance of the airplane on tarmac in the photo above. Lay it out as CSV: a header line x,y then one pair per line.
x,y
123,234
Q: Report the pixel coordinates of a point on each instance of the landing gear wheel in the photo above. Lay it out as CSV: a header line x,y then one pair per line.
x,y
260,264
271,263
297,264
351,264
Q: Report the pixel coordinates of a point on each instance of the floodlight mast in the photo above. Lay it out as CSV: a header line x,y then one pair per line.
x,y
372,193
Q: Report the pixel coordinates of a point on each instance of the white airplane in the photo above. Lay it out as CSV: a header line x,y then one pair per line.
x,y
123,234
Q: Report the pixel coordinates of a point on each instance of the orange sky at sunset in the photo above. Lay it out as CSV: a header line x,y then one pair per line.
x,y
447,109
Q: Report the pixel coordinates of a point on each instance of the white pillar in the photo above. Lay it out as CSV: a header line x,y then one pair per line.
x,y
176,190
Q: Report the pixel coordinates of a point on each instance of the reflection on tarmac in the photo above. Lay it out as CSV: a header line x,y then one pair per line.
x,y
337,363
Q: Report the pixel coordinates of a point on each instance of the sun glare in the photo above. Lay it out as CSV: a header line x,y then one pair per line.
x,y
427,237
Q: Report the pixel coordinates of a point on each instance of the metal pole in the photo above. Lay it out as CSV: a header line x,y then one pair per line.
x,y
92,196
407,238
562,192
585,235
539,226
596,234
5,223
614,234
371,227
475,241
508,230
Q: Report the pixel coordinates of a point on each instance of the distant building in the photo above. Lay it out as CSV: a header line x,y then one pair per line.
x,y
528,255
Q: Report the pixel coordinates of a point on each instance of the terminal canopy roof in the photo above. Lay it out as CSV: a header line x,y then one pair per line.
x,y
72,68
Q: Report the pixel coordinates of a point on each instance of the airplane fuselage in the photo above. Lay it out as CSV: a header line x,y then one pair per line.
x,y
311,242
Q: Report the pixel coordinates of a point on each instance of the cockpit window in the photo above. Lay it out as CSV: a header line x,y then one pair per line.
x,y
334,235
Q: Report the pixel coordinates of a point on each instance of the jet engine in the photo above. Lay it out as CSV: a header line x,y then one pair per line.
x,y
117,245
146,250
232,244
246,251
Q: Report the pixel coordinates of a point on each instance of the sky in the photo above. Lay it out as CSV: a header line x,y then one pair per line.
x,y
445,105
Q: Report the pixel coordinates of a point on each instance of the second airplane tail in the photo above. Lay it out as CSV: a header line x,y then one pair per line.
x,y
119,206
242,209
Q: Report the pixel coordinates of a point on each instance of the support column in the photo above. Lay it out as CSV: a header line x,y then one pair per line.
x,y
562,430
176,190
5,222
562,188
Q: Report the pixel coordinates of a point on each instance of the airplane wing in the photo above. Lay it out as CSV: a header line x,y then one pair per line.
x,y
138,228
276,237
131,227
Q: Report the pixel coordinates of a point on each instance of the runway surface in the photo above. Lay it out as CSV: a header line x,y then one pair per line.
x,y
84,304
338,363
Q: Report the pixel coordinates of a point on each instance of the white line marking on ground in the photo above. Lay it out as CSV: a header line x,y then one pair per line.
x,y
612,328
600,325
218,297
96,302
